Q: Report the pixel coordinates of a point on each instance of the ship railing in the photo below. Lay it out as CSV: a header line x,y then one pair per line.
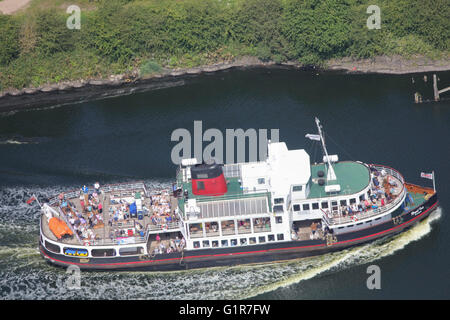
x,y
121,187
163,226
325,218
373,212
126,186
115,242
389,171
235,196
258,229
211,233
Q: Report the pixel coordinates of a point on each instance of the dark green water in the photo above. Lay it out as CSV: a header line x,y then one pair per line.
x,y
371,118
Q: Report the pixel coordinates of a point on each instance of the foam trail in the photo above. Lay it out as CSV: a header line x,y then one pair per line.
x,y
13,142
360,255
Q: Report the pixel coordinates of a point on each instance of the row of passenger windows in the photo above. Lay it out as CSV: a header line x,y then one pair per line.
x,y
236,242
358,224
126,251
326,204
260,224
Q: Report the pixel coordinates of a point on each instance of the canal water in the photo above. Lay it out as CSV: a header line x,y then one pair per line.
x,y
371,118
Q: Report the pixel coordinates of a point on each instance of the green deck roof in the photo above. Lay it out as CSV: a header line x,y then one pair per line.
x,y
351,176
233,189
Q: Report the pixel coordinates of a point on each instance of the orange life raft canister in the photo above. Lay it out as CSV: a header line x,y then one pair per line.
x,y
59,227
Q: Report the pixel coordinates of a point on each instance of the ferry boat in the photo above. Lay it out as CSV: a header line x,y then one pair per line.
x,y
282,208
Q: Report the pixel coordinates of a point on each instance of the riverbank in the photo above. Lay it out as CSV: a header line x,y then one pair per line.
x,y
115,85
390,65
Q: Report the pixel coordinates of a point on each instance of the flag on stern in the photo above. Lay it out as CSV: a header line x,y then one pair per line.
x,y
313,136
426,175
29,201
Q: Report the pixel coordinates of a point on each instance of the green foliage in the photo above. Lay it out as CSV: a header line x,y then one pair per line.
x,y
258,24
9,39
52,33
149,67
318,29
117,35
430,20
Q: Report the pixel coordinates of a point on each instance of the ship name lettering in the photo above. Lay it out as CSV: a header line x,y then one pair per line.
x,y
415,213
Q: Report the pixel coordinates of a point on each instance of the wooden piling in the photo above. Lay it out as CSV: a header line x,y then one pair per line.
x,y
435,89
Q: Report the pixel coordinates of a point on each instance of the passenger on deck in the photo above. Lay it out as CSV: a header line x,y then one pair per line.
x,y
97,187
313,228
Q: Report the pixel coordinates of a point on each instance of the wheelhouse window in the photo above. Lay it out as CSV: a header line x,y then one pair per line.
x,y
297,188
244,226
261,224
278,208
278,200
261,181
228,227
334,205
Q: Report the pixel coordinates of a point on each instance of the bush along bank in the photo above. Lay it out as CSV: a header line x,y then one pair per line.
x,y
122,40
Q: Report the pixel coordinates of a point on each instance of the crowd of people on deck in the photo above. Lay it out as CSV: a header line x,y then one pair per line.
x,y
161,211
169,246
119,212
84,221
91,215
379,194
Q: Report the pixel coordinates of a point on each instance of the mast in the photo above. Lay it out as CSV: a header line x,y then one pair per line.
x,y
331,175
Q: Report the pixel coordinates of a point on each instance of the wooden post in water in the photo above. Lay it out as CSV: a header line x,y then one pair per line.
x,y
435,89
417,97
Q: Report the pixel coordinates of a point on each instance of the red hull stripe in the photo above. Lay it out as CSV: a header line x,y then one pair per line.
x,y
244,252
